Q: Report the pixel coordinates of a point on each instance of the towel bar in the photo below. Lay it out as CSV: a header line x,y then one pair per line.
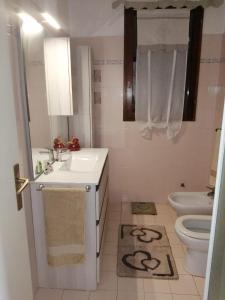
x,y
41,186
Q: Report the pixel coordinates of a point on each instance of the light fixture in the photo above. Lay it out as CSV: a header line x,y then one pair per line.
x,y
51,21
30,25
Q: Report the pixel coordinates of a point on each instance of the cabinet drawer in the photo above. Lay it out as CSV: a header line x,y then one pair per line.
x,y
101,224
101,190
100,257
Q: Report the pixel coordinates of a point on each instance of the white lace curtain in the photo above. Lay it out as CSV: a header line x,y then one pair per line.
x,y
160,87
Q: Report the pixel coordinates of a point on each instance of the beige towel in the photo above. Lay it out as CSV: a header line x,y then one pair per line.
x,y
64,210
212,178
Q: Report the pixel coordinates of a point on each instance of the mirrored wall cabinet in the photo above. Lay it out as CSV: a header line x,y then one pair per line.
x,y
58,76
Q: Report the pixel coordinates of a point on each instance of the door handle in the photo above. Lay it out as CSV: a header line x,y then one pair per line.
x,y
20,184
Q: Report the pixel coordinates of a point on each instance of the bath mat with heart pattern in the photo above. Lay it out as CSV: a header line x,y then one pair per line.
x,y
144,252
139,235
143,208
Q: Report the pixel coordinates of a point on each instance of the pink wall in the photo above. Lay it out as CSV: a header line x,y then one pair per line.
x,y
149,170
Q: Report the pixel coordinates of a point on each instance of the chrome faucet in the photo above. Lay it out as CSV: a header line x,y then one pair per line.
x,y
50,151
59,154
212,192
48,168
51,154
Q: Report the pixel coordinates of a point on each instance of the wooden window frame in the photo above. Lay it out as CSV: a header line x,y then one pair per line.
x,y
193,63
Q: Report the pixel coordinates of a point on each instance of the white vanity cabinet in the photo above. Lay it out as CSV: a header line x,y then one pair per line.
x,y
81,276
102,199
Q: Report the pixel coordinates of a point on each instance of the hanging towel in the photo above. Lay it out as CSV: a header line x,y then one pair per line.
x,y
212,179
64,210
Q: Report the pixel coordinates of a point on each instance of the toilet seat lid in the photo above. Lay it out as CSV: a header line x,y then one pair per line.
x,y
180,227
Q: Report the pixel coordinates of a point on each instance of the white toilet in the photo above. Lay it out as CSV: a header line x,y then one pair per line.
x,y
194,232
191,203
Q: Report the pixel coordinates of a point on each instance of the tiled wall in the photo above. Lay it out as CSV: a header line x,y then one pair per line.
x,y
213,71
149,170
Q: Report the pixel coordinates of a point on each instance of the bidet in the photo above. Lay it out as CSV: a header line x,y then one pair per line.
x,y
191,203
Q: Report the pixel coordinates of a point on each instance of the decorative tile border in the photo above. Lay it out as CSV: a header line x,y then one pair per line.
x,y
99,62
97,75
97,98
36,63
102,62
212,60
114,62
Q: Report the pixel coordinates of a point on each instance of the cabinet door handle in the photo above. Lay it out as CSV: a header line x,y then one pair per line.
x,y
20,184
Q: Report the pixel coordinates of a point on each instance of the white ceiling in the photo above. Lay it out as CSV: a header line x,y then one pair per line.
x,y
214,20
89,18
94,18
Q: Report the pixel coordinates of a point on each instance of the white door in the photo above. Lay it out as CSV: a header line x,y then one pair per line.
x,y
15,274
215,274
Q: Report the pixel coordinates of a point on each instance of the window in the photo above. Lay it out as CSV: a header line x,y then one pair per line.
x,y
192,71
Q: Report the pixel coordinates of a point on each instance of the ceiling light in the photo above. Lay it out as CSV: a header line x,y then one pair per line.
x,y
51,21
30,25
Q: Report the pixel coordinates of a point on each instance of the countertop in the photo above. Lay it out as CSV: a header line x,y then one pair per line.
x,y
60,176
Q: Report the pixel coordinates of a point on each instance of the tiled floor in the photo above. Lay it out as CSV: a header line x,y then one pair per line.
x,y
116,288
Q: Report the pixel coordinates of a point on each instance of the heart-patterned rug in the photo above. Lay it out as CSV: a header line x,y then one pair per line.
x,y
144,251
143,208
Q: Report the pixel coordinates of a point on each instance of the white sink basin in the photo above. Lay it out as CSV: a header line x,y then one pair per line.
x,y
81,162
81,167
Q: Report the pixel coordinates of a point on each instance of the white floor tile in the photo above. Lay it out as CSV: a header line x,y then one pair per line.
x,y
184,286
109,263
200,283
130,284
173,239
49,294
180,266
156,286
102,295
110,248
112,224
130,295
115,206
114,215
165,209
128,220
138,220
75,295
111,236
162,207
178,251
147,220
158,296
186,297
126,207
166,222
108,281
173,214
169,227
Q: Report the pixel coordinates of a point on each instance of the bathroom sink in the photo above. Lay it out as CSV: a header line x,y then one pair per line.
x,y
81,162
